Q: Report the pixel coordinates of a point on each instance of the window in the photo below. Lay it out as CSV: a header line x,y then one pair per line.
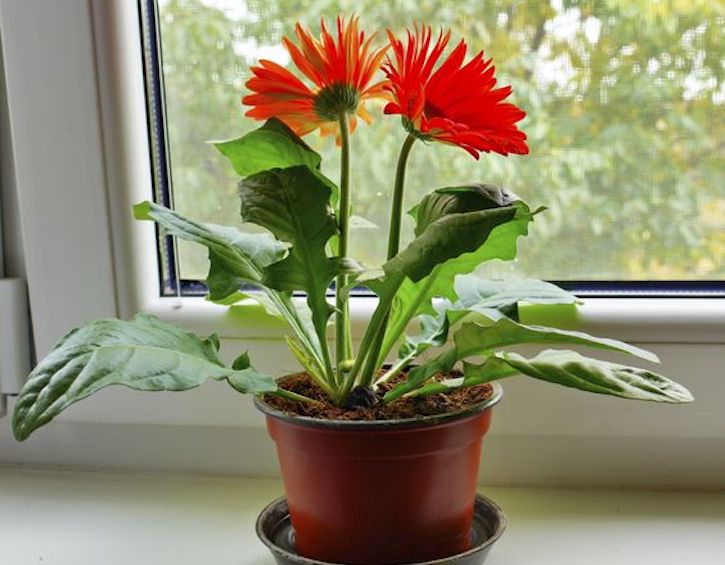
x,y
86,258
625,104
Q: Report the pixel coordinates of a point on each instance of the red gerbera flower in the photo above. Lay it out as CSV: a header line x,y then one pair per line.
x,y
340,69
456,104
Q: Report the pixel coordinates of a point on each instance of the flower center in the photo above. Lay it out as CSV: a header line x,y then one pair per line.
x,y
335,99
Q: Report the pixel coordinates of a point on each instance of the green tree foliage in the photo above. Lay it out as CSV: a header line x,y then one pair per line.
x,y
625,121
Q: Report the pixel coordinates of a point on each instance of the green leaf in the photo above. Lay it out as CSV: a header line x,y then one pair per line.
x,y
497,241
242,362
473,338
476,339
457,200
447,238
238,259
457,230
235,258
294,205
491,370
495,300
491,299
500,244
571,369
433,333
477,294
143,354
272,146
413,298
251,381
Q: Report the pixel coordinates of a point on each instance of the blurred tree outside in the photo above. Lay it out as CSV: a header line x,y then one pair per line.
x,y
625,123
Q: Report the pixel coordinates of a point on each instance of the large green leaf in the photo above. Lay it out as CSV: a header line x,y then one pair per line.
x,y
413,298
272,146
238,259
294,205
445,248
477,297
447,238
492,302
457,200
571,369
472,339
500,244
144,354
478,294
491,370
566,368
235,258
476,339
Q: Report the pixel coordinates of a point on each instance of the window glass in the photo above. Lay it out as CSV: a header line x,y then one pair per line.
x,y
625,124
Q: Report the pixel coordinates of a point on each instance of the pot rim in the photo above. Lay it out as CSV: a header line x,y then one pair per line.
x,y
367,425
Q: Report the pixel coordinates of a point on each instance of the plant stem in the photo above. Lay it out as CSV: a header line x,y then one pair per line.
x,y
378,318
284,305
396,218
396,215
343,339
289,395
392,336
393,372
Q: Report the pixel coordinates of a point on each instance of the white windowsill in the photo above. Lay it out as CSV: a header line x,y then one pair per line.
x,y
643,320
74,518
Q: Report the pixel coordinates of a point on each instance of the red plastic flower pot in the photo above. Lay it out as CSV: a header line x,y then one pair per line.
x,y
381,492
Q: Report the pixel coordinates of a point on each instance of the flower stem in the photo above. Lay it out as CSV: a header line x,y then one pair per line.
x,y
401,323
343,339
396,214
396,218
374,325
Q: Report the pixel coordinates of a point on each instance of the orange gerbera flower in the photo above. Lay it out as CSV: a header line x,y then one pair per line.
x,y
455,104
340,69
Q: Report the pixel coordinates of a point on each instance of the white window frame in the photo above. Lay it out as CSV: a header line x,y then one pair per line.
x,y
58,164
78,120
659,320
87,257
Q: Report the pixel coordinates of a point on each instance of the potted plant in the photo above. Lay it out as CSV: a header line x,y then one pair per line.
x,y
379,461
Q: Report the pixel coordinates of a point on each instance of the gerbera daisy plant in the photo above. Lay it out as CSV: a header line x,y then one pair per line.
x,y
445,327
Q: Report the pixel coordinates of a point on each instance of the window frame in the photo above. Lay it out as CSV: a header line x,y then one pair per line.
x,y
103,165
172,284
667,310
109,146
57,165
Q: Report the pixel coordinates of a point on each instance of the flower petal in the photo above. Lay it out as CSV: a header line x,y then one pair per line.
x,y
344,62
457,103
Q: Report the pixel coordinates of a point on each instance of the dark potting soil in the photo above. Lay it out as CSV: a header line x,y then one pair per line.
x,y
373,408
